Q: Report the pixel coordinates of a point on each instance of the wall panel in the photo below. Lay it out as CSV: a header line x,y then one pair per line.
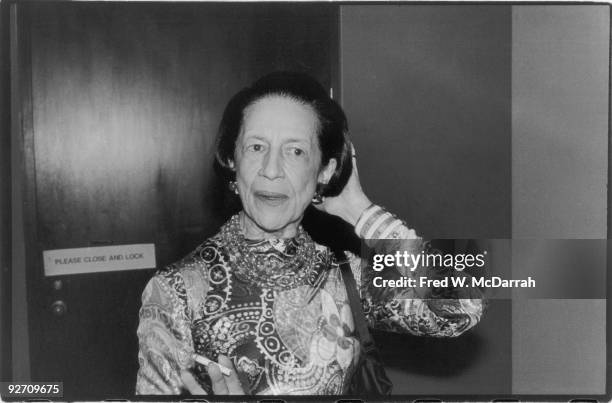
x,y
427,93
560,109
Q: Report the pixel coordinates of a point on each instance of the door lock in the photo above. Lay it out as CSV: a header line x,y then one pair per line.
x,y
59,308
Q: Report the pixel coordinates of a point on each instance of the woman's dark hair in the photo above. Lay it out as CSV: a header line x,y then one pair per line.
x,y
332,127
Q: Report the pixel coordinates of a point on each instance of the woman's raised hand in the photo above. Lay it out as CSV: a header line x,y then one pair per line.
x,y
351,202
221,384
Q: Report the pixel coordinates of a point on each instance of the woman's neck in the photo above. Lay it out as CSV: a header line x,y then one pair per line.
x,y
251,230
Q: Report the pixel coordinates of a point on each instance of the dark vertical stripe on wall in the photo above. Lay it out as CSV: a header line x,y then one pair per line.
x,y
5,195
427,91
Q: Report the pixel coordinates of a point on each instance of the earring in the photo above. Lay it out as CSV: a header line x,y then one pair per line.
x,y
317,198
233,187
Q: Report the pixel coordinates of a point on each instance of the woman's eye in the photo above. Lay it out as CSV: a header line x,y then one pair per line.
x,y
255,147
298,152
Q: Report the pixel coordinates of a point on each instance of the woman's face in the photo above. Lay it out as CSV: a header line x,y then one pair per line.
x,y
278,164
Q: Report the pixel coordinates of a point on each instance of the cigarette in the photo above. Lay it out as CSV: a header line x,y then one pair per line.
x,y
206,362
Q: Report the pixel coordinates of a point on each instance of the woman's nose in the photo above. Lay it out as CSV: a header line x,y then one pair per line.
x,y
272,165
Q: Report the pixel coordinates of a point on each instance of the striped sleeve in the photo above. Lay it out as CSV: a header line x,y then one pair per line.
x,y
407,310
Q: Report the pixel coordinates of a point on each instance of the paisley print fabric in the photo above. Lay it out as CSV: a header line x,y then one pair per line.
x,y
296,340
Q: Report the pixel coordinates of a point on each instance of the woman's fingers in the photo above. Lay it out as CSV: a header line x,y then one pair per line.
x,y
189,383
234,387
217,379
224,384
221,384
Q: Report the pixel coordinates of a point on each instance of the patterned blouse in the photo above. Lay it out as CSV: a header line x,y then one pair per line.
x,y
294,341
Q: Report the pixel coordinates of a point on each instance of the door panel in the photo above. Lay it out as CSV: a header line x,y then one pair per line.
x,y
125,101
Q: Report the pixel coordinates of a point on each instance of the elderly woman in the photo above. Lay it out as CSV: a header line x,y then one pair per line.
x,y
261,298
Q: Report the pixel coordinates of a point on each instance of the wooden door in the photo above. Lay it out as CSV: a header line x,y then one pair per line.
x,y
120,104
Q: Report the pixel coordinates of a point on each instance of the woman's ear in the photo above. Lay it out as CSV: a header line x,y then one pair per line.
x,y
327,172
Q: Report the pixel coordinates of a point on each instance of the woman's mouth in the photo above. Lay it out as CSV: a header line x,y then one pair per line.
x,y
271,198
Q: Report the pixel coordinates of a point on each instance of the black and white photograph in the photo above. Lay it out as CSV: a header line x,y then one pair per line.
x,y
304,200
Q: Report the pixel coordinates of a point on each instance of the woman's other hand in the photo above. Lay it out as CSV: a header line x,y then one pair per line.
x,y
221,384
351,202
